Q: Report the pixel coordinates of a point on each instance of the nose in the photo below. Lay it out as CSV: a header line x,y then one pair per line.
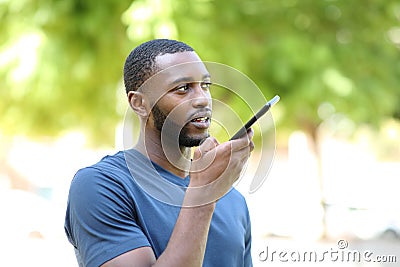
x,y
201,97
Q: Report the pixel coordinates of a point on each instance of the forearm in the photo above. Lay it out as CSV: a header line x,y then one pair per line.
x,y
188,241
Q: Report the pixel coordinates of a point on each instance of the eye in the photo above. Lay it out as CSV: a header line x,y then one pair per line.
x,y
182,88
206,85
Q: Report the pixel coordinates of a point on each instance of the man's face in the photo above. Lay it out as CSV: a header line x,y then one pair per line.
x,y
184,99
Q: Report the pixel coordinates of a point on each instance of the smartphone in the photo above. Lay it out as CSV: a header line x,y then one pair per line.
x,y
242,131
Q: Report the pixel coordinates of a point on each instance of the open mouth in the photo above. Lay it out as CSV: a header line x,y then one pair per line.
x,y
202,122
201,119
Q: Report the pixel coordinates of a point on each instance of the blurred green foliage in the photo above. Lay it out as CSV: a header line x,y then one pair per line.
x,y
337,54
60,64
61,61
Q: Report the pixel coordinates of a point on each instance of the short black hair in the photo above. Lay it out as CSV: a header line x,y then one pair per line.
x,y
140,64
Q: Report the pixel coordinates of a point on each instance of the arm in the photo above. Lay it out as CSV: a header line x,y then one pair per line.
x,y
209,177
185,248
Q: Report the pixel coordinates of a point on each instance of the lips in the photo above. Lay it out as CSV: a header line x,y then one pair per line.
x,y
201,120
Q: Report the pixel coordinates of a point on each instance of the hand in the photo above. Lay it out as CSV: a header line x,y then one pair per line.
x,y
216,167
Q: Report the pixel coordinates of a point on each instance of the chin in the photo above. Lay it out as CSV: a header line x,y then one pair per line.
x,y
190,141
185,142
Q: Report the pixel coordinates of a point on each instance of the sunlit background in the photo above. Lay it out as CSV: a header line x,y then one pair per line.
x,y
335,64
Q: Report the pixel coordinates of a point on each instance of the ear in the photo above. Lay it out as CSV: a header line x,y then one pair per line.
x,y
138,103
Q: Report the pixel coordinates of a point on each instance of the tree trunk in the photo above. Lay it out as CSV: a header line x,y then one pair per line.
x,y
313,132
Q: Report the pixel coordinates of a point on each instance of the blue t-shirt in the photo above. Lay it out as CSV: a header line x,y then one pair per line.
x,y
111,210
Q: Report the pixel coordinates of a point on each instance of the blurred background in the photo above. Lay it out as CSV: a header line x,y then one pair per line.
x,y
335,64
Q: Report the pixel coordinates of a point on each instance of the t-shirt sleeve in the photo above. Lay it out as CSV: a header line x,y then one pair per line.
x,y
248,262
101,219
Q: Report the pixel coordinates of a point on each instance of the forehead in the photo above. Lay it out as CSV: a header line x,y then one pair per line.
x,y
181,65
168,60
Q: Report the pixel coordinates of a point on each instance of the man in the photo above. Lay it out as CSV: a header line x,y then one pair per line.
x,y
117,213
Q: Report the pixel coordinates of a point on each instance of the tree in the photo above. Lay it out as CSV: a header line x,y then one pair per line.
x,y
60,65
314,51
325,61
60,62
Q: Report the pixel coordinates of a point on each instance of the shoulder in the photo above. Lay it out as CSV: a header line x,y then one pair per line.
x,y
108,166
101,216
233,203
234,197
100,189
108,175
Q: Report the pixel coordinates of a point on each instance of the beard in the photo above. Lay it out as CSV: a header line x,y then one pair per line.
x,y
184,138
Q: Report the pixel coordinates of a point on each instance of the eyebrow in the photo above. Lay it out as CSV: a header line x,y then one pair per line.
x,y
188,79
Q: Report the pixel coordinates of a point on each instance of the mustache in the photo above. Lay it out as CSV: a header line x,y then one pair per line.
x,y
203,112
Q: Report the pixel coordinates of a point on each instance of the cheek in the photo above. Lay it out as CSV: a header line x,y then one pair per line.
x,y
174,110
180,113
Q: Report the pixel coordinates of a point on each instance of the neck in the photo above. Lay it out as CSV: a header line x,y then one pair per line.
x,y
174,159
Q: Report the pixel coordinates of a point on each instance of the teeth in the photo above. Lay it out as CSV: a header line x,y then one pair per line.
x,y
202,119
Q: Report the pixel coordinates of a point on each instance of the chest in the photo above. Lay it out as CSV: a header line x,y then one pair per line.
x,y
226,234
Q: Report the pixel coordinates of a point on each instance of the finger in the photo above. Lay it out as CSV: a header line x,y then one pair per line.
x,y
250,133
243,154
242,142
205,146
208,144
251,145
